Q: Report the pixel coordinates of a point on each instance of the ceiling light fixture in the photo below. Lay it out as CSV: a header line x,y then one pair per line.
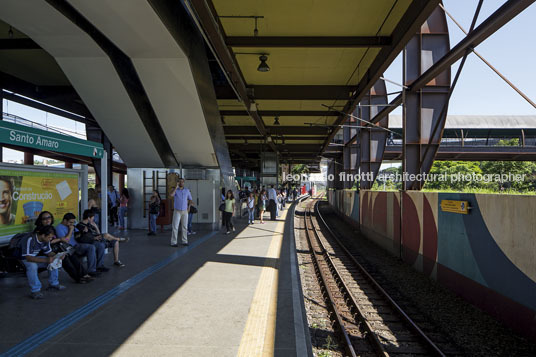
x,y
263,66
276,120
263,57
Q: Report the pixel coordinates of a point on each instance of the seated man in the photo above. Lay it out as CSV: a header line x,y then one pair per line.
x,y
67,231
101,241
31,246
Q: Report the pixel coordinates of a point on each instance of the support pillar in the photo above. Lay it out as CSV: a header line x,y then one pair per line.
x,y
121,183
28,158
104,190
68,165
424,122
371,140
83,189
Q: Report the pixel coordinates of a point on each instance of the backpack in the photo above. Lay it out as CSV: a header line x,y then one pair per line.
x,y
15,244
154,208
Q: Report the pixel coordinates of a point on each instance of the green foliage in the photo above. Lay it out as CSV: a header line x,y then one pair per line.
x,y
299,169
382,183
448,169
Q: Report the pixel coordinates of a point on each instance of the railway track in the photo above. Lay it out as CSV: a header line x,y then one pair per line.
x,y
367,320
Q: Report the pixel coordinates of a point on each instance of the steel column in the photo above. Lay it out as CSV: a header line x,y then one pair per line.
x,y
371,140
424,107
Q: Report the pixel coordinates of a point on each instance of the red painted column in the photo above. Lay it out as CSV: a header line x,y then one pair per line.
x,y
121,182
28,158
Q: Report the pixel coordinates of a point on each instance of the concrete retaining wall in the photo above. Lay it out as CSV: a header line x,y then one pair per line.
x,y
487,256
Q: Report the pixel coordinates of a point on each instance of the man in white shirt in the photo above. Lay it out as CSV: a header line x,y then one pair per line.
x,y
272,199
182,202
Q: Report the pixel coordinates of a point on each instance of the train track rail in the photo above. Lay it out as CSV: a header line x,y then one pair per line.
x,y
367,320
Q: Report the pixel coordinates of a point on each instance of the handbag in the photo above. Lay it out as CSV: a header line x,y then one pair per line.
x,y
222,207
193,209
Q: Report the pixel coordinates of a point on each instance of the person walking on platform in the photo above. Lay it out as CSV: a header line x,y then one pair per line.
x,y
272,206
123,208
182,201
251,208
154,211
228,211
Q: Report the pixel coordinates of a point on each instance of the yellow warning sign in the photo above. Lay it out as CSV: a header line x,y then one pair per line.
x,y
455,206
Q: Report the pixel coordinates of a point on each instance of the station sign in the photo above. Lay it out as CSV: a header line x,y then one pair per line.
x,y
452,206
21,135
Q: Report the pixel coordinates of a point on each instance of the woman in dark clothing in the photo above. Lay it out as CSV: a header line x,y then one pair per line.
x,y
71,263
154,211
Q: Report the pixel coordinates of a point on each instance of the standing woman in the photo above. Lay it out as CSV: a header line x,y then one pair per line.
x,y
154,211
228,211
251,208
262,204
123,203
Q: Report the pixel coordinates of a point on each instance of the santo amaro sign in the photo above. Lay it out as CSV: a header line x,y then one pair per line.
x,y
21,135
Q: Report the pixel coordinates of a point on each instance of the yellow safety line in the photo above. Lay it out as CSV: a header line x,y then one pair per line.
x,y
259,334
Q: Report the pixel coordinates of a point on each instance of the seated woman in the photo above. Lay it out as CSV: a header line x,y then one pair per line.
x,y
71,263
88,228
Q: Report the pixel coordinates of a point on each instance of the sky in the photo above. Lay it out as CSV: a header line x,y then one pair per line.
x,y
511,50
479,91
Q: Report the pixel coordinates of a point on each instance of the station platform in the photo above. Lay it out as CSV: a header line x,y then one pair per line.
x,y
223,295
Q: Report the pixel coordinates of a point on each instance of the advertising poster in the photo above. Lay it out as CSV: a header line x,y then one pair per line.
x,y
24,194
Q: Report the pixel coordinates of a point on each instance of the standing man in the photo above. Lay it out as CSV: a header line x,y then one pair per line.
x,y
182,202
272,197
113,203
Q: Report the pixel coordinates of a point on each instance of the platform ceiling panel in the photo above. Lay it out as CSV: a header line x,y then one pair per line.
x,y
90,72
163,69
303,66
311,52
312,17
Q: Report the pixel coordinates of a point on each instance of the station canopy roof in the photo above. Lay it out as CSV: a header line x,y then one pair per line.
x,y
320,53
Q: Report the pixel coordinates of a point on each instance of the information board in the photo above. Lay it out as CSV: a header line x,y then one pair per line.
x,y
461,207
24,194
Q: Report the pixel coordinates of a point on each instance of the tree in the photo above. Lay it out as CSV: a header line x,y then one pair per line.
x,y
384,182
299,169
526,169
450,175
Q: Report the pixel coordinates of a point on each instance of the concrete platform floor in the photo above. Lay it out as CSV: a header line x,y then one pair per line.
x,y
224,295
